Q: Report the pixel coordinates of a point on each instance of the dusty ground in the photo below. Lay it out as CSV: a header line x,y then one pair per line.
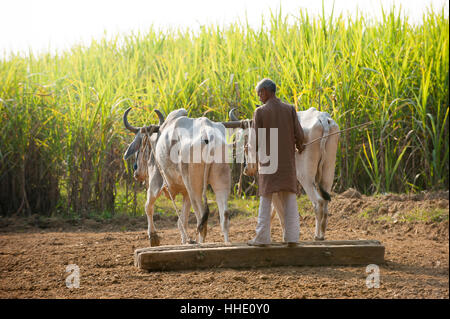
x,y
34,256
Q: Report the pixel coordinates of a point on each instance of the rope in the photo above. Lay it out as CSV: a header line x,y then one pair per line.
x,y
340,131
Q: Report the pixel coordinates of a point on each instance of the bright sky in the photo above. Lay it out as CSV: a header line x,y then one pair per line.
x,y
44,25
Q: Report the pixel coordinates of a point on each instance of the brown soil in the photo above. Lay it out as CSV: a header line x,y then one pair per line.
x,y
34,254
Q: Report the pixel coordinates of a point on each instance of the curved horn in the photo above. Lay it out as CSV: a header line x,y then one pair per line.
x,y
232,116
160,116
127,125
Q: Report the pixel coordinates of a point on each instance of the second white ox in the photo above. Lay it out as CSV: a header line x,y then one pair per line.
x,y
190,152
314,166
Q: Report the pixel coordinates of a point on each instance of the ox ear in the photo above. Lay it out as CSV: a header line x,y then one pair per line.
x,y
134,146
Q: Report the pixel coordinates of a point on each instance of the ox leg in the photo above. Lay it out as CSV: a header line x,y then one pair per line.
x,y
199,209
183,220
220,181
152,195
224,215
272,215
306,174
321,220
318,204
278,207
324,221
328,175
193,175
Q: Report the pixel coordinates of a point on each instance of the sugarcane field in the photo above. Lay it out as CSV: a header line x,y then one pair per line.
x,y
290,151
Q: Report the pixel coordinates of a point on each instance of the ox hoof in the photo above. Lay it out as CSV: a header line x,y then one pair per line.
x,y
154,240
319,238
192,242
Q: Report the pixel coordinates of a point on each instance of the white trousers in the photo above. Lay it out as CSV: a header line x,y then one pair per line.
x,y
286,204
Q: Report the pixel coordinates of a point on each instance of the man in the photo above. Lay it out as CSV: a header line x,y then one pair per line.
x,y
283,182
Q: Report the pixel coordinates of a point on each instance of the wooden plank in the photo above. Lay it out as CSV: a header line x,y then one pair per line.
x,y
240,255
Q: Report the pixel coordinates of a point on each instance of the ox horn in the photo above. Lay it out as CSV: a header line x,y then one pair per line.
x,y
155,128
232,116
235,122
127,125
160,116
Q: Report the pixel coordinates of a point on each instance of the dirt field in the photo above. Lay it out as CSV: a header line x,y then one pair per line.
x,y
34,256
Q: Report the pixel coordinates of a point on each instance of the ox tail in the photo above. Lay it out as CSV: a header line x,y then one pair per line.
x,y
205,216
207,142
206,212
324,193
326,129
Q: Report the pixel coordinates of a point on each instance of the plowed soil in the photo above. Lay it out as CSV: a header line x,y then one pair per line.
x,y
34,255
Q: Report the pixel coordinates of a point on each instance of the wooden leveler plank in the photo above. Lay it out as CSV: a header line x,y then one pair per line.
x,y
240,255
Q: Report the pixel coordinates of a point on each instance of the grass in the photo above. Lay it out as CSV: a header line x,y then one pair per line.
x,y
367,213
244,206
434,215
62,138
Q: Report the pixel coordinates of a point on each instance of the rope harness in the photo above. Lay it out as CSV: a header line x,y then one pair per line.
x,y
340,131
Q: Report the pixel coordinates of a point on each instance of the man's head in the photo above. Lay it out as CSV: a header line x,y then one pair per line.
x,y
266,89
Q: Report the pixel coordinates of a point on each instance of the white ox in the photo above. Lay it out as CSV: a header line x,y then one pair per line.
x,y
190,152
315,165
